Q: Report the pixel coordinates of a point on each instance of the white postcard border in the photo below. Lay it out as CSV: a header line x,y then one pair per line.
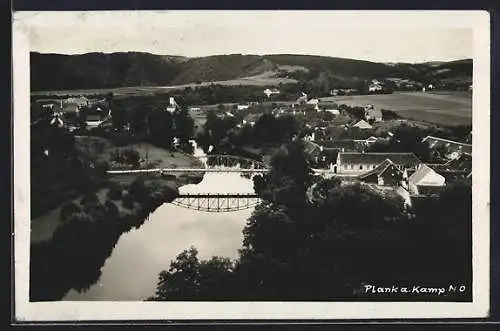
x,y
479,21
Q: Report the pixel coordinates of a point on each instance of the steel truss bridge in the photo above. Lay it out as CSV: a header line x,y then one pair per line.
x,y
215,202
219,163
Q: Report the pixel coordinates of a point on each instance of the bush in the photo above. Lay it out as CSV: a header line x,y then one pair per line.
x,y
115,191
131,157
101,167
90,197
69,209
111,209
128,201
139,190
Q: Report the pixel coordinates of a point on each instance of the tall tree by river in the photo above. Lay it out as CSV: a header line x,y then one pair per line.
x,y
317,239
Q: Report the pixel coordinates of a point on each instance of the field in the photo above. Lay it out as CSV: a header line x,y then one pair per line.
x,y
264,79
445,108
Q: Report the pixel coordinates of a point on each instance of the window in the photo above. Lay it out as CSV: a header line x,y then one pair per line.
x,y
360,167
351,167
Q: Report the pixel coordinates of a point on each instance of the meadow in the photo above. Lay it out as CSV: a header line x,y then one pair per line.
x,y
445,108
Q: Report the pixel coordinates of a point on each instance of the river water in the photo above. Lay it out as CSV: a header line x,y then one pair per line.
x,y
131,272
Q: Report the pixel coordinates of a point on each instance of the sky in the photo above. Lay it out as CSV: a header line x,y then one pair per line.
x,y
373,36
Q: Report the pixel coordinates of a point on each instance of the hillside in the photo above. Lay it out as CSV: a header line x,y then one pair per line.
x,y
101,70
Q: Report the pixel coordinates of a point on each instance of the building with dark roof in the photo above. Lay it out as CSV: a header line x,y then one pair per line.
x,y
385,173
458,168
351,162
451,148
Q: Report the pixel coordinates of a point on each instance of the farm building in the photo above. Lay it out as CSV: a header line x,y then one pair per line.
x,y
425,181
333,111
452,149
327,158
268,92
342,145
362,124
352,162
386,173
458,168
172,105
69,108
80,101
374,114
302,99
243,106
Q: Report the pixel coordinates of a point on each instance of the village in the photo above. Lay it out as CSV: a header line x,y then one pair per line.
x,y
340,140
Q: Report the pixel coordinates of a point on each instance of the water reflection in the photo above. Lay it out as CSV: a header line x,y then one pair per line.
x,y
131,272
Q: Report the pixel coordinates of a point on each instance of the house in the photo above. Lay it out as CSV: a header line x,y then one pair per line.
x,y
313,102
374,88
243,107
458,168
69,108
425,181
452,149
94,119
326,159
80,101
374,114
333,111
353,162
172,105
362,124
369,141
268,92
302,99
342,145
386,173
250,119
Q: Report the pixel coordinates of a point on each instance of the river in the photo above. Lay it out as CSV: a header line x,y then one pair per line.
x,y
131,272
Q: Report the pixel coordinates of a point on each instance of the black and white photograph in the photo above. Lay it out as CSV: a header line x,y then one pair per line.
x,y
251,164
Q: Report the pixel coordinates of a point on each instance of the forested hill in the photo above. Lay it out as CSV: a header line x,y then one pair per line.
x,y
103,70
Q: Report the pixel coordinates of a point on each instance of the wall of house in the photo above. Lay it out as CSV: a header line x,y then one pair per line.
x,y
390,177
354,168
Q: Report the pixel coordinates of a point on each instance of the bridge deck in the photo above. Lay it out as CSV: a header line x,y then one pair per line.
x,y
218,195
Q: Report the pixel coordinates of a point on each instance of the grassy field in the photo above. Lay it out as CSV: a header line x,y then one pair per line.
x,y
446,108
264,79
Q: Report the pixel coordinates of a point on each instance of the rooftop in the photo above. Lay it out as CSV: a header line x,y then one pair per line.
x,y
436,142
379,169
406,159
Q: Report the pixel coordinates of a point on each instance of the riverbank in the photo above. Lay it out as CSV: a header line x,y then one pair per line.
x,y
76,250
44,226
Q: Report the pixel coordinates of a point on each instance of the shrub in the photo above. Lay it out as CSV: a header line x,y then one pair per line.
x,y
69,209
89,197
131,157
128,201
115,191
138,189
111,209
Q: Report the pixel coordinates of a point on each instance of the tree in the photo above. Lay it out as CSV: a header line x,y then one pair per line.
x,y
128,201
115,191
160,125
319,239
69,209
184,126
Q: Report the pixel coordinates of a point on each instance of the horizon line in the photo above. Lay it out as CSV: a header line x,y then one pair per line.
x,y
249,54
